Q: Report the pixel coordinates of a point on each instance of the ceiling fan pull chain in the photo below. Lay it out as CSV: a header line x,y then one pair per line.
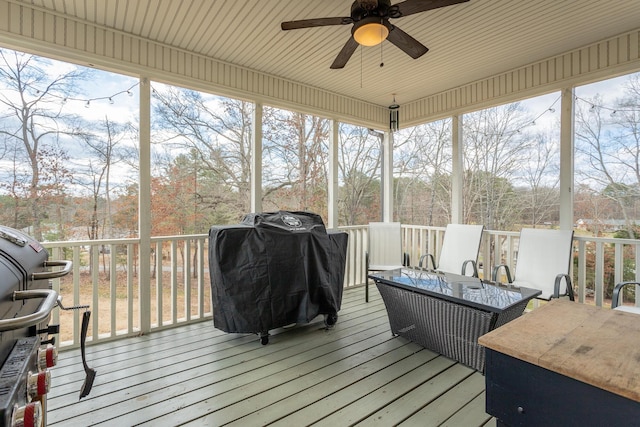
x,y
361,67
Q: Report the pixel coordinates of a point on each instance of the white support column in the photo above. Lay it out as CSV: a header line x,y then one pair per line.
x,y
256,159
457,171
387,177
566,158
332,193
144,206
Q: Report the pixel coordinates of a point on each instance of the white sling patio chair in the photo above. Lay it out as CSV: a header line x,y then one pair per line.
x,y
544,259
615,299
459,250
384,249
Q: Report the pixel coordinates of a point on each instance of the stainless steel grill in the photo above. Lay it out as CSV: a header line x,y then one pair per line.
x,y
26,350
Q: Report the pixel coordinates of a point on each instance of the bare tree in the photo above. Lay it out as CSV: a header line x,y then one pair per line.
x,y
105,146
495,147
218,130
32,114
422,157
359,172
295,158
593,209
541,178
608,141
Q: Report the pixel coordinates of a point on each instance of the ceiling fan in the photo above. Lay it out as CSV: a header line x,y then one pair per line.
x,y
371,26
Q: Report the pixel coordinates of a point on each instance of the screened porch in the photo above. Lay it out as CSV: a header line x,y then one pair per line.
x,y
151,338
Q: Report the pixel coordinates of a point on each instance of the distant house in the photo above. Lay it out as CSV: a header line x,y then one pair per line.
x,y
603,225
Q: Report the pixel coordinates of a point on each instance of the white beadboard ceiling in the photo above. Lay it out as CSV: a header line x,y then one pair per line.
x,y
467,42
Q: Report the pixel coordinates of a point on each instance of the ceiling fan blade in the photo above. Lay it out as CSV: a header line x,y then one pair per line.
x,y
409,7
344,55
406,43
317,22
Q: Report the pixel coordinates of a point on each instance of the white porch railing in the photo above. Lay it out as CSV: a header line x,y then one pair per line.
x,y
105,277
592,255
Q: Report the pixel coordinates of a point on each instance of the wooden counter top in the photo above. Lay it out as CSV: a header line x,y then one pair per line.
x,y
594,345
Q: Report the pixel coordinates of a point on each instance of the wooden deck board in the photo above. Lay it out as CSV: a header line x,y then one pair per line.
x,y
318,401
197,375
404,406
448,404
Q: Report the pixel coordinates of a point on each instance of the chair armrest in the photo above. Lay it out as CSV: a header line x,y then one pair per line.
x,y
556,288
615,298
428,257
496,269
473,264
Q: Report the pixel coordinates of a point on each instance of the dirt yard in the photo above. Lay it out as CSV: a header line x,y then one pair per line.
x,y
103,309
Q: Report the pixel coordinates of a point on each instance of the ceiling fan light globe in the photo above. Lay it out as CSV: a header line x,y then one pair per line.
x,y
370,33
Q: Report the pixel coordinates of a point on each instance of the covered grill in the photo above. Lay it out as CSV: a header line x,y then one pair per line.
x,y
275,269
26,302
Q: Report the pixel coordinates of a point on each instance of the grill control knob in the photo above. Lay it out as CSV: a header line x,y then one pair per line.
x,y
29,415
47,357
38,384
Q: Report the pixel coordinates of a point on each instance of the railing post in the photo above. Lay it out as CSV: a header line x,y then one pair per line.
x,y
599,279
186,267
201,284
159,284
130,248
582,270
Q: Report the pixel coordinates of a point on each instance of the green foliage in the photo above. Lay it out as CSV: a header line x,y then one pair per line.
x,y
631,232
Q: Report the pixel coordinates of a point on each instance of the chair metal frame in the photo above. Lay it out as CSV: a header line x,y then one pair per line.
x,y
460,248
615,298
538,250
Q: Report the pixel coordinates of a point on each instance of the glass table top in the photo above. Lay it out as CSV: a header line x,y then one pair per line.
x,y
454,287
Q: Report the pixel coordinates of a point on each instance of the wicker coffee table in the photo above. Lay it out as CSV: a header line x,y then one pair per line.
x,y
446,312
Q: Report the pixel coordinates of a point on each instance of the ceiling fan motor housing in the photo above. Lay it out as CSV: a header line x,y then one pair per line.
x,y
363,8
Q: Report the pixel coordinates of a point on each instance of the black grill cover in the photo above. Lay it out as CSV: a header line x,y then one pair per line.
x,y
275,269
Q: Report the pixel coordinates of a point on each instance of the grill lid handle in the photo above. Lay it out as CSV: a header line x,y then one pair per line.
x,y
53,274
51,298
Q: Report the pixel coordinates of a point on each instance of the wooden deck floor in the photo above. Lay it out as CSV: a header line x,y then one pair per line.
x,y
355,374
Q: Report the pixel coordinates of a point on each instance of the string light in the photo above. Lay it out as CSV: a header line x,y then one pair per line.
x,y
86,101
551,109
613,111
533,122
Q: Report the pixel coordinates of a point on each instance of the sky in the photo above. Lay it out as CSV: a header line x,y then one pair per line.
x,y
117,96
